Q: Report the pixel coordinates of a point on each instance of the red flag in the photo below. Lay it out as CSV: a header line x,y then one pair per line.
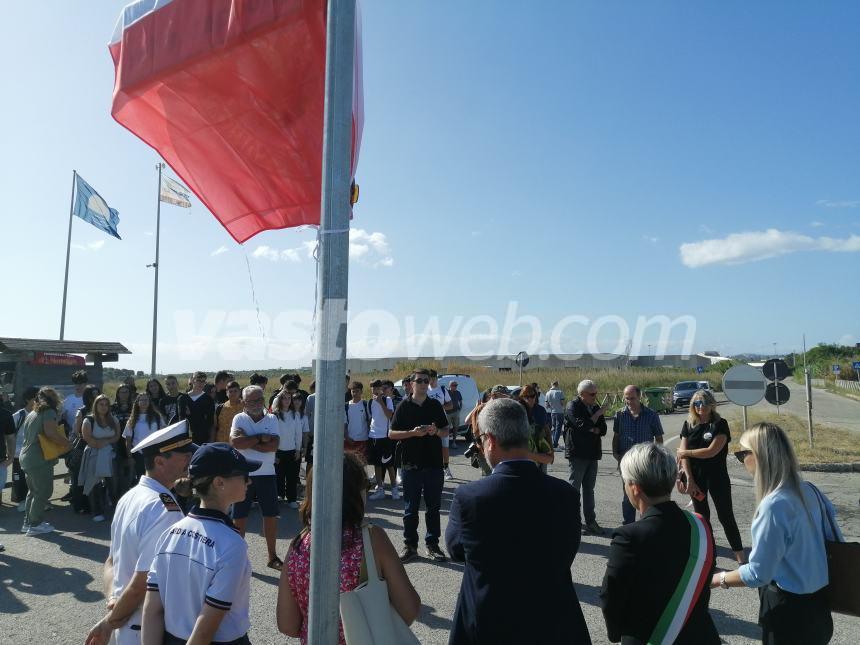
x,y
230,93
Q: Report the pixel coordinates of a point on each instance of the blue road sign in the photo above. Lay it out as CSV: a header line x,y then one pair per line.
x,y
699,369
856,366
836,369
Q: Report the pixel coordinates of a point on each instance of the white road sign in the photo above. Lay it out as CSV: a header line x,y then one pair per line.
x,y
744,385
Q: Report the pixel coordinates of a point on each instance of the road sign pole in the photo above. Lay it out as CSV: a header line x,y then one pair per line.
x,y
745,418
777,389
809,407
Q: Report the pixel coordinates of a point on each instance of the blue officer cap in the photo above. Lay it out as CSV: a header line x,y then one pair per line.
x,y
220,459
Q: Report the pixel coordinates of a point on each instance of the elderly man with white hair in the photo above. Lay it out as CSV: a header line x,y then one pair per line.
x,y
516,534
256,435
584,426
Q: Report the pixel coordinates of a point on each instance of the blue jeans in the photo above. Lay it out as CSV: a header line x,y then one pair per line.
x,y
583,476
557,419
429,482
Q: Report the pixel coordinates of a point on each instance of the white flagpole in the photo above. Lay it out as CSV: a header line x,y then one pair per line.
x,y
160,166
323,618
68,252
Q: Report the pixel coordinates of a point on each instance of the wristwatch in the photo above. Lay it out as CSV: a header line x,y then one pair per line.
x,y
723,584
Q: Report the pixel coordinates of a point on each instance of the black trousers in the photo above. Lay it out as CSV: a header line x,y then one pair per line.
x,y
716,482
794,619
170,639
287,474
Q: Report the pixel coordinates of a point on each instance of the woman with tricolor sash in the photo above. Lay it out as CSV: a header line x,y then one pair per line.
x,y
656,585
788,561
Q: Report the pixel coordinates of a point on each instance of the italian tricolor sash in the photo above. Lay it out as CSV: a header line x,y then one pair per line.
x,y
696,574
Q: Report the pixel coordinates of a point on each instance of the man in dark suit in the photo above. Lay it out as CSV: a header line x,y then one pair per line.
x,y
648,561
517,536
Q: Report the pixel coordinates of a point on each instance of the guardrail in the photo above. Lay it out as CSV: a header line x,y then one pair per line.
x,y
848,385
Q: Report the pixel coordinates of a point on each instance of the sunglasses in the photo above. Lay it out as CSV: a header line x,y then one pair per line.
x,y
741,455
421,380
699,404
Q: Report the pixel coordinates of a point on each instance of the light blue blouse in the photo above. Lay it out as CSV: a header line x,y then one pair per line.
x,y
788,542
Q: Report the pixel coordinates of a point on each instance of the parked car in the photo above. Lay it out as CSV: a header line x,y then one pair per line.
x,y
683,392
705,385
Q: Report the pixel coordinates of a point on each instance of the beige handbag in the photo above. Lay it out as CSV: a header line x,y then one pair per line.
x,y
366,613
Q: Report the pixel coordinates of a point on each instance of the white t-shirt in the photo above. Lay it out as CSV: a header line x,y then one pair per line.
x,y
378,421
291,428
142,429
356,421
440,394
267,425
71,405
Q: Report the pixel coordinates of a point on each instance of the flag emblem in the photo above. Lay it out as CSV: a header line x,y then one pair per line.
x,y
91,207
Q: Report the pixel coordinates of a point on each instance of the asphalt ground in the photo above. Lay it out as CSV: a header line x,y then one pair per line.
x,y
50,586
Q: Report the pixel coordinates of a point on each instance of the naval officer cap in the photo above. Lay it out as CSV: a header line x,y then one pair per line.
x,y
173,438
220,460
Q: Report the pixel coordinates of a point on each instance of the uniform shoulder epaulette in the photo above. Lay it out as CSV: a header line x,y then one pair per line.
x,y
169,503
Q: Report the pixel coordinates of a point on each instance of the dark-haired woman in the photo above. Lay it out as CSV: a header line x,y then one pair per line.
x,y
157,396
199,584
144,420
80,502
39,471
292,608
540,442
123,466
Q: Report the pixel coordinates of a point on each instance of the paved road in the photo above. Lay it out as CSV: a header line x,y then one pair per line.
x,y
50,591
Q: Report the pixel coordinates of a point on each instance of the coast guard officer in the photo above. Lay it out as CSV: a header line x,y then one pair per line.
x,y
199,584
141,516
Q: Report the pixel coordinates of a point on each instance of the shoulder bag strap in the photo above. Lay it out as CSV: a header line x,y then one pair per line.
x,y
368,562
824,513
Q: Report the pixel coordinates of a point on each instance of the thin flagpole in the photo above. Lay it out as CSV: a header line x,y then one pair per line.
x,y
331,324
68,252
160,166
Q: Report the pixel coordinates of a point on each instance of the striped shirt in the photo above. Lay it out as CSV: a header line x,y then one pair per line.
x,y
632,430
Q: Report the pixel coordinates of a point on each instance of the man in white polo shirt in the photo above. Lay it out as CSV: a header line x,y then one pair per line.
x,y
380,447
254,433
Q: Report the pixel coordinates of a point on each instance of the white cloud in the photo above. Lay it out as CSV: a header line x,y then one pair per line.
x,y
816,224
369,249
221,249
652,239
828,203
738,248
90,246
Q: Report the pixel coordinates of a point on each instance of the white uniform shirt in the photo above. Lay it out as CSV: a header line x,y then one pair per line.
x,y
202,559
440,394
291,429
378,420
356,421
141,516
267,425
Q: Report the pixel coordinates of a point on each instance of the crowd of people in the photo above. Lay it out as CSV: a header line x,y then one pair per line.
x,y
180,472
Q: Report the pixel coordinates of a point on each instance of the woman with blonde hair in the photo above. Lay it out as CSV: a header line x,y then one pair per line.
x,y
705,438
100,431
788,561
38,471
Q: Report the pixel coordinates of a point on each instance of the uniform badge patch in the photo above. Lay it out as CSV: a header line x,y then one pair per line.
x,y
169,503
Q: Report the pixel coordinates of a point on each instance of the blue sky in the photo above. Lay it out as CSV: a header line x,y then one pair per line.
x,y
596,159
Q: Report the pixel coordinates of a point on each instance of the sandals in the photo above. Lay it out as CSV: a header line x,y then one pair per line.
x,y
276,563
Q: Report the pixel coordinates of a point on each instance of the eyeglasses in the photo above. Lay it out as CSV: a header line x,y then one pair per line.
x,y
699,404
741,455
421,380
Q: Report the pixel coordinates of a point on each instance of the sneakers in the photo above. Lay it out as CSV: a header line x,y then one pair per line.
x,y
43,528
593,527
98,518
395,492
399,480
25,527
448,475
408,553
379,493
435,553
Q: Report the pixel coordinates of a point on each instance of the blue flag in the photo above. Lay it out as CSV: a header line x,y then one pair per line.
x,y
91,207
